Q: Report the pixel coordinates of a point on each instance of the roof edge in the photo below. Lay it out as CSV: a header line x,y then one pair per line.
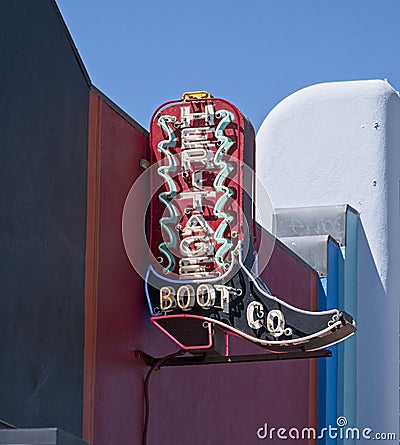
x,y
119,110
72,44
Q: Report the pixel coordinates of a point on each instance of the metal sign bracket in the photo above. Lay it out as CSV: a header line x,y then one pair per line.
x,y
209,358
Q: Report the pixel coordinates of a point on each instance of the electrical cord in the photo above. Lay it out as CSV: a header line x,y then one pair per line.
x,y
154,367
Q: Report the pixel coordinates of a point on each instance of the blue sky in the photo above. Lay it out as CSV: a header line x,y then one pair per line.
x,y
252,53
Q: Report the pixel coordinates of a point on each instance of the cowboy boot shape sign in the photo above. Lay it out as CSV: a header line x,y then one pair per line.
x,y
201,231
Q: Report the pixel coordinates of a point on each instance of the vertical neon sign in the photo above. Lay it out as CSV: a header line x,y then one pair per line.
x,y
201,233
199,145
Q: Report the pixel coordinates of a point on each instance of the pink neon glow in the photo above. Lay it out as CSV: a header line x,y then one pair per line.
x,y
154,320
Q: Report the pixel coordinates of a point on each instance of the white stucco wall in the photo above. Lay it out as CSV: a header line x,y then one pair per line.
x,y
339,143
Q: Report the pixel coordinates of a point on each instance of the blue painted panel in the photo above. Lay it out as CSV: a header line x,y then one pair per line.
x,y
330,290
334,289
337,376
347,350
322,295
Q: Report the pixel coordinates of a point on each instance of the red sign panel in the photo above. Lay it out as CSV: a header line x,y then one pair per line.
x,y
199,146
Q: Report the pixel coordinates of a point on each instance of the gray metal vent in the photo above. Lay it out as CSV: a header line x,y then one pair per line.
x,y
311,249
38,436
313,221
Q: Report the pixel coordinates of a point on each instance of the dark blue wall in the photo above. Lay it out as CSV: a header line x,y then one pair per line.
x,y
43,162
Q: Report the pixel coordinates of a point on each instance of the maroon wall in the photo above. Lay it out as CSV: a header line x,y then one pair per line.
x,y
114,317
226,404
216,404
291,279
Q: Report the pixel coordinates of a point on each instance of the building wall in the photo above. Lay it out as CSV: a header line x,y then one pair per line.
x,y
114,304
228,403
73,308
44,94
206,404
338,144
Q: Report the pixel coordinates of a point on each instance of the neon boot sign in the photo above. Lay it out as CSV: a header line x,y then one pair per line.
x,y
201,231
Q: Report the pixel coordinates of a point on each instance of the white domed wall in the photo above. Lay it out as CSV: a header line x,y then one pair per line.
x,y
339,143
